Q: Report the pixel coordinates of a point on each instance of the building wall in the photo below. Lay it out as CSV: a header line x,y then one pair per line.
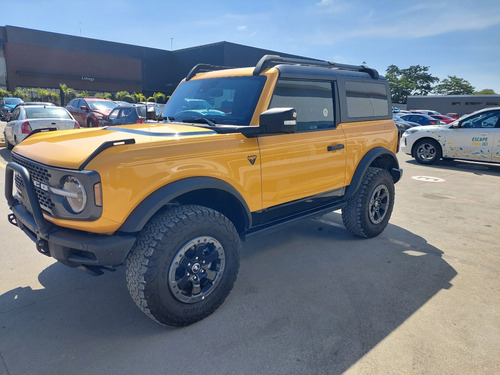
x,y
3,65
40,66
36,58
461,104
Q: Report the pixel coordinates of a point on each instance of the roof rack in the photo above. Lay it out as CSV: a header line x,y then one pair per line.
x,y
204,68
268,61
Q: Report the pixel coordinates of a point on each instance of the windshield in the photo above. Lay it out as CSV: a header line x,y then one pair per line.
x,y
101,105
47,112
227,100
13,101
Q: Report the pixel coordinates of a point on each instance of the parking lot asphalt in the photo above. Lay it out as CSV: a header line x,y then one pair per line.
x,y
421,298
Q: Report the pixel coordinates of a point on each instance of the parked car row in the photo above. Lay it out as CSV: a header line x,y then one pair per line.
x,y
27,119
24,118
92,112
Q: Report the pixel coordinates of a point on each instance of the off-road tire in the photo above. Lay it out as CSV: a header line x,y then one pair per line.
x,y
163,260
368,211
427,151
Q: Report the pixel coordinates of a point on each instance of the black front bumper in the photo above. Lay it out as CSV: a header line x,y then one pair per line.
x,y
74,248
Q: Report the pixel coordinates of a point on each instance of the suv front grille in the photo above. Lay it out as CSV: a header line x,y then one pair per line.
x,y
40,175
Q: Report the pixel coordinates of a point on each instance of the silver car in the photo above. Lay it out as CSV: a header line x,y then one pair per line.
x,y
27,119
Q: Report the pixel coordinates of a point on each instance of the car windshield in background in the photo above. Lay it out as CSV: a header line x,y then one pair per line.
x,y
101,105
12,101
228,100
141,110
47,112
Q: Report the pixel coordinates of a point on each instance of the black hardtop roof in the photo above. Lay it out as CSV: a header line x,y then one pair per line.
x,y
297,66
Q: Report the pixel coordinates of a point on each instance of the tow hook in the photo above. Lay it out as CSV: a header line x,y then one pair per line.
x,y
12,219
43,247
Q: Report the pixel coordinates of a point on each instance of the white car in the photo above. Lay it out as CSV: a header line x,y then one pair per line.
x,y
472,137
27,119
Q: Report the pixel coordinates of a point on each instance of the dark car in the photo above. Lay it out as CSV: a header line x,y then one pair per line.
x,y
127,114
421,119
90,112
403,125
7,105
445,119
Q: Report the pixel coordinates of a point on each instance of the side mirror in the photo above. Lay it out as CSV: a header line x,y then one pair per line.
x,y
83,108
278,120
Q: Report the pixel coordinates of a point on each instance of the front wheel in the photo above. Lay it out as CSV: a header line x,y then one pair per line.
x,y
183,265
427,151
368,212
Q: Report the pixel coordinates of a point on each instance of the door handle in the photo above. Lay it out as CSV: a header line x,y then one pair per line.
x,y
334,148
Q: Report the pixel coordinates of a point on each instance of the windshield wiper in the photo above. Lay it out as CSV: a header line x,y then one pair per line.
x,y
200,120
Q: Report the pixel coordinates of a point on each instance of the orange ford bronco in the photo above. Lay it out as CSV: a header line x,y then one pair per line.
x,y
236,151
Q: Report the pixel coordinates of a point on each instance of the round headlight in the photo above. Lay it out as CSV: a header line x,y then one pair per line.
x,y
76,197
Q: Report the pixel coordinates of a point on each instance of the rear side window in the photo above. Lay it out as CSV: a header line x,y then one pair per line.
x,y
312,100
366,99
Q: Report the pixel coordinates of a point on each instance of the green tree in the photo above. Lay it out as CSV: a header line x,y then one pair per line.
x,y
454,86
415,80
139,97
482,92
67,92
159,97
4,93
22,93
124,96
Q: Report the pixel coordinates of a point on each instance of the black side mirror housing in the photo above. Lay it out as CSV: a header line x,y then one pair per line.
x,y
278,120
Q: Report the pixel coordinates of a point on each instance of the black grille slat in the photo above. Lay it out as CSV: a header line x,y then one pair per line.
x,y
38,174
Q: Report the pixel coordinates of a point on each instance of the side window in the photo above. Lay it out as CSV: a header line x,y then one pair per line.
x,y
366,99
15,114
313,102
113,114
482,120
126,112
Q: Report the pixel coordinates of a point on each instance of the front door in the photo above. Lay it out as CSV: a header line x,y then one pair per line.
x,y
474,139
311,161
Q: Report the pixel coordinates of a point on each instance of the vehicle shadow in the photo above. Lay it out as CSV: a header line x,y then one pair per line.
x,y
310,298
477,168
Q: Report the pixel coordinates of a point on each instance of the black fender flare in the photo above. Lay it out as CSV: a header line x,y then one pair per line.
x,y
166,194
377,157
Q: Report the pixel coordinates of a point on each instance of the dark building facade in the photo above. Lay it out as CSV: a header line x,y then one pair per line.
x,y
31,58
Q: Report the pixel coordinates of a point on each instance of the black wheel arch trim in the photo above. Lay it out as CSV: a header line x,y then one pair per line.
x,y
386,159
166,194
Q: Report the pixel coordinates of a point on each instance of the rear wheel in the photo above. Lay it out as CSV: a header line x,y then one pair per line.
x,y
183,265
368,212
8,145
427,151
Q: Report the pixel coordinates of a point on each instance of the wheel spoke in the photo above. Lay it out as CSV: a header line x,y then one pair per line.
x,y
196,288
210,274
183,283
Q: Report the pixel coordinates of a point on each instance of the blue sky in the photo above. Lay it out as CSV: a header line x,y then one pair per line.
x,y
452,37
